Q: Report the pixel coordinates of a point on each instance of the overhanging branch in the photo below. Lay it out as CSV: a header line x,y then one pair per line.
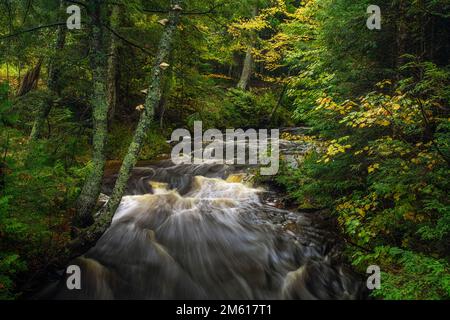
x,y
77,3
209,11
131,43
32,30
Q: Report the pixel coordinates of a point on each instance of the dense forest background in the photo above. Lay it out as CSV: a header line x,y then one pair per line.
x,y
376,103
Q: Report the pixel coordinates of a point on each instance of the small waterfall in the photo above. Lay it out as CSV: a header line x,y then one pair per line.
x,y
200,232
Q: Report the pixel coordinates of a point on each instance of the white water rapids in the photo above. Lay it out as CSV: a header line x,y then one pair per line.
x,y
199,232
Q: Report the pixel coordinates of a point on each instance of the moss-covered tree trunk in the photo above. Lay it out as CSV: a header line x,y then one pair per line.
x,y
53,80
99,102
90,235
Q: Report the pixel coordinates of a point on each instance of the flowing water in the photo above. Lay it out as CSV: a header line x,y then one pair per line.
x,y
202,232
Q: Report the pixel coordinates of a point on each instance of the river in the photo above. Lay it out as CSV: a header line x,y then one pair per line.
x,y
207,232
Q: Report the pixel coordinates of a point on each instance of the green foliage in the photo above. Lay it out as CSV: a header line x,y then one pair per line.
x,y
377,101
408,275
120,137
241,109
316,185
246,109
35,208
386,181
6,116
10,265
381,162
39,183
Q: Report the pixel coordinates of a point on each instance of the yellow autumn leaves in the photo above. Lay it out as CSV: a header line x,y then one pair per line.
x,y
373,167
334,148
380,112
360,208
374,110
268,52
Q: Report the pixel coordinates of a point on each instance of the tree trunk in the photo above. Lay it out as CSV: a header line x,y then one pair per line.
x,y
42,114
113,67
52,82
279,102
99,101
30,80
165,93
54,65
89,236
3,166
401,34
247,68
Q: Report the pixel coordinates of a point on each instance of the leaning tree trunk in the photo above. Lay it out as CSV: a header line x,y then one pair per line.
x,y
89,236
91,190
247,68
164,94
30,80
52,82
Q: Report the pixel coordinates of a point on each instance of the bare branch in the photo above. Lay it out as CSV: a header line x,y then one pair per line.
x,y
32,30
77,3
209,11
127,41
